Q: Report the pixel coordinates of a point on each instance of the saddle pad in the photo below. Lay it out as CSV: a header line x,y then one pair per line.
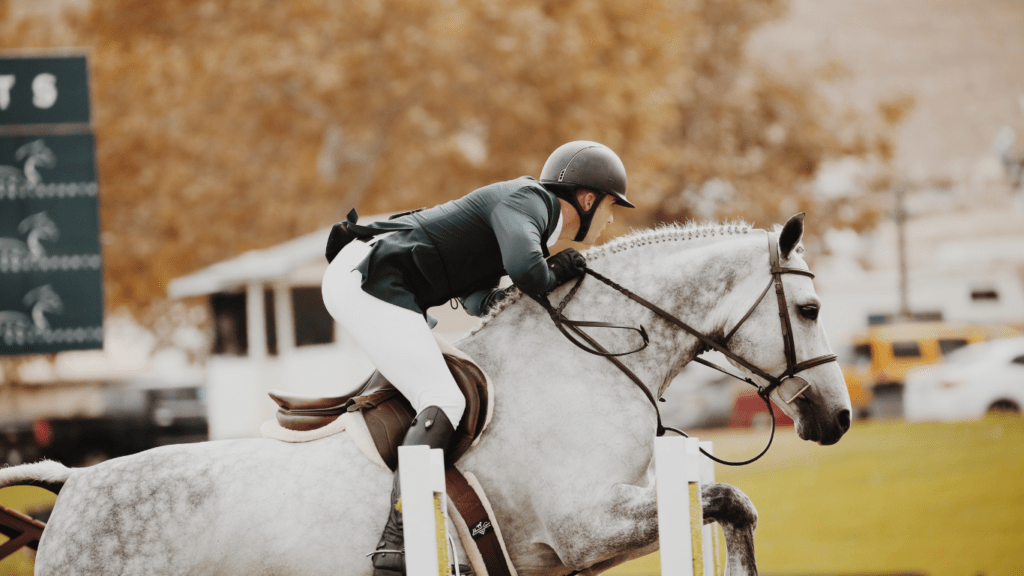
x,y
351,422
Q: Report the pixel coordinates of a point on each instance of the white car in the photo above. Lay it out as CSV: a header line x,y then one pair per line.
x,y
972,381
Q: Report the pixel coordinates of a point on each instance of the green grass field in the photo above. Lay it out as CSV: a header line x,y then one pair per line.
x,y
929,498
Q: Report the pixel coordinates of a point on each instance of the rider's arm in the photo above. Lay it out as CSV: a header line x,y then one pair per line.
x,y
518,223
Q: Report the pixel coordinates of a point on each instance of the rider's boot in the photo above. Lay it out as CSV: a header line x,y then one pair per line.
x,y
431,428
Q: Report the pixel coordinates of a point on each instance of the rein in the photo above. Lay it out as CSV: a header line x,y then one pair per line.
x,y
569,327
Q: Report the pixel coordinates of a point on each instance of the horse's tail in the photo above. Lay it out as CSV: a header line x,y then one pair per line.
x,y
46,474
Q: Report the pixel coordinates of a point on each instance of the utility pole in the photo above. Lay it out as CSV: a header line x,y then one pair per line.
x,y
901,235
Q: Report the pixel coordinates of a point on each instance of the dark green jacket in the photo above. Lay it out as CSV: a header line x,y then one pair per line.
x,y
461,249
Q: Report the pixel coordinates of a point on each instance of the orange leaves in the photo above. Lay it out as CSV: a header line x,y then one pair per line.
x,y
227,125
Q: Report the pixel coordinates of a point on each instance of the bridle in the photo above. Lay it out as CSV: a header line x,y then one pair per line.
x,y
569,328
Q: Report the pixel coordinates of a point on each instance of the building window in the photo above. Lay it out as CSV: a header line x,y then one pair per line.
x,y
271,324
313,323
985,295
231,327
229,324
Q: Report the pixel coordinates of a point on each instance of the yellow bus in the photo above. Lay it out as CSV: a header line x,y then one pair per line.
x,y
884,354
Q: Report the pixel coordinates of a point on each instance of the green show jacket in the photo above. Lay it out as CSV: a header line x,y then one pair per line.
x,y
461,249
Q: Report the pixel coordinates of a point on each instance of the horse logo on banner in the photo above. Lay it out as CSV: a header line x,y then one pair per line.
x,y
35,155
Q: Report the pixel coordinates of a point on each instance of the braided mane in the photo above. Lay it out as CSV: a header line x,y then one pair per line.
x,y
674,232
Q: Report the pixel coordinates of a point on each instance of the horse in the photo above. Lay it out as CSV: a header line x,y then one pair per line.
x,y
566,461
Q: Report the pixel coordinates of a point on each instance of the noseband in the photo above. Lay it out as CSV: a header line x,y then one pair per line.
x,y
570,327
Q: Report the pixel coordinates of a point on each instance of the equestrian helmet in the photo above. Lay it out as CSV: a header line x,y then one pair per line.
x,y
588,165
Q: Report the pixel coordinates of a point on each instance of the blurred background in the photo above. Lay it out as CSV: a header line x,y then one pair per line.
x,y
228,136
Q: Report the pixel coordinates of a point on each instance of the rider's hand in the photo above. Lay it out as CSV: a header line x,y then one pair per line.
x,y
567,265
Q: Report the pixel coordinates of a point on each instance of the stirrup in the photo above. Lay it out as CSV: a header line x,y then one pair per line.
x,y
464,570
385,551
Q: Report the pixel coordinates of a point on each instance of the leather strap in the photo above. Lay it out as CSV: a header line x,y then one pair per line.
x,y
481,526
792,366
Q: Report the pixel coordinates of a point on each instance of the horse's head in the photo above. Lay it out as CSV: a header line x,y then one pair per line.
x,y
816,397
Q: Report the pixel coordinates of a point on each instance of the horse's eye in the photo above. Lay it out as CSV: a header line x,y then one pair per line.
x,y
809,312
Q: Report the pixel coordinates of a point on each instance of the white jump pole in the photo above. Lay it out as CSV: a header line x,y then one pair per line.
x,y
707,476
680,519
424,510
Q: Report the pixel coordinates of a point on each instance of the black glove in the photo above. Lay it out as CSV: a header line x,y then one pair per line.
x,y
567,265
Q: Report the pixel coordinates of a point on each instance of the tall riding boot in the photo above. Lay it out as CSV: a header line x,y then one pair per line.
x,y
431,428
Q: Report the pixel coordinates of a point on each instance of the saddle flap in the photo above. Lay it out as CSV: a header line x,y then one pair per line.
x,y
296,404
389,421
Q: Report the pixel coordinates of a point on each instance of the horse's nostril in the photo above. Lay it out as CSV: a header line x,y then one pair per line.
x,y
843,419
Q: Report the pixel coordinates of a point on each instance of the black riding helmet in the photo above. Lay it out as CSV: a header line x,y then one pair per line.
x,y
586,165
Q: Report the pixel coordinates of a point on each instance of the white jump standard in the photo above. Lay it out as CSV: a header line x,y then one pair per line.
x,y
685,542
425,510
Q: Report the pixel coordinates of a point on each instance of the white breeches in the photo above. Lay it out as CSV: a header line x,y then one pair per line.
x,y
397,341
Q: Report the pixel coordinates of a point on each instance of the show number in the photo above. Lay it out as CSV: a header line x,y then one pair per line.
x,y
44,90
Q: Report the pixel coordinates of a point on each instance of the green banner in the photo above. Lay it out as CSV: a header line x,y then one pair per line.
x,y
43,90
51,275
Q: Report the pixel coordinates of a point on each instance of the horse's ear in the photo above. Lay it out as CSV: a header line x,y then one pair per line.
x,y
791,234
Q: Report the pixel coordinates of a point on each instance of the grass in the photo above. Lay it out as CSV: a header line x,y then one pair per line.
x,y
928,498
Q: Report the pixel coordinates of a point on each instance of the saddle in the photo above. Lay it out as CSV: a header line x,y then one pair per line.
x,y
387,412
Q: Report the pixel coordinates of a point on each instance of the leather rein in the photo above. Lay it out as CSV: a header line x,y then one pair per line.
x,y
572,329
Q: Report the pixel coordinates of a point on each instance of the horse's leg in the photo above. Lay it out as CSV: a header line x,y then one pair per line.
x,y
624,520
610,563
734,511
724,504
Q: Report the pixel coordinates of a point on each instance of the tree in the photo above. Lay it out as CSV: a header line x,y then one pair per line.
x,y
228,125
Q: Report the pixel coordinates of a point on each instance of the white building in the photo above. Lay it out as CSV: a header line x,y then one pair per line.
x,y
964,264
273,332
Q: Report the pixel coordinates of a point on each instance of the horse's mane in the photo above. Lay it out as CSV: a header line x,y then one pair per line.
x,y
673,232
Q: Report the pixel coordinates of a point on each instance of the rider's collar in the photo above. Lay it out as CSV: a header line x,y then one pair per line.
x,y
558,231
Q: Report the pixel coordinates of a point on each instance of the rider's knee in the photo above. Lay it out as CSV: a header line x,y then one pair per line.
x,y
453,409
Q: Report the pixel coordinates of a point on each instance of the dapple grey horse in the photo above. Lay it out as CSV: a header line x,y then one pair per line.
x,y
566,460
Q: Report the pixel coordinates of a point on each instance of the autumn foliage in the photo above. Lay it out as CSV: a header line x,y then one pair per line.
x,y
228,125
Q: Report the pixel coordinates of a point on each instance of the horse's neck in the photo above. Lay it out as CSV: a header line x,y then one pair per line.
x,y
695,280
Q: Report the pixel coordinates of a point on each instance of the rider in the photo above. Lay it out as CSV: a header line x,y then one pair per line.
x,y
379,289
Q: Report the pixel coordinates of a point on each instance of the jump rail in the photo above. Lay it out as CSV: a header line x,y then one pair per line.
x,y
21,531
424,510
688,547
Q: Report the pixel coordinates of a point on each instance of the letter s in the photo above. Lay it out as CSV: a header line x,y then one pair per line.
x,y
44,90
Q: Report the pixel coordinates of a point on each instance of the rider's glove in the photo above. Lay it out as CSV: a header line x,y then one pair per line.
x,y
567,265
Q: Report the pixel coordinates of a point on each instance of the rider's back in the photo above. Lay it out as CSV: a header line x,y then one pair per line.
x,y
453,249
